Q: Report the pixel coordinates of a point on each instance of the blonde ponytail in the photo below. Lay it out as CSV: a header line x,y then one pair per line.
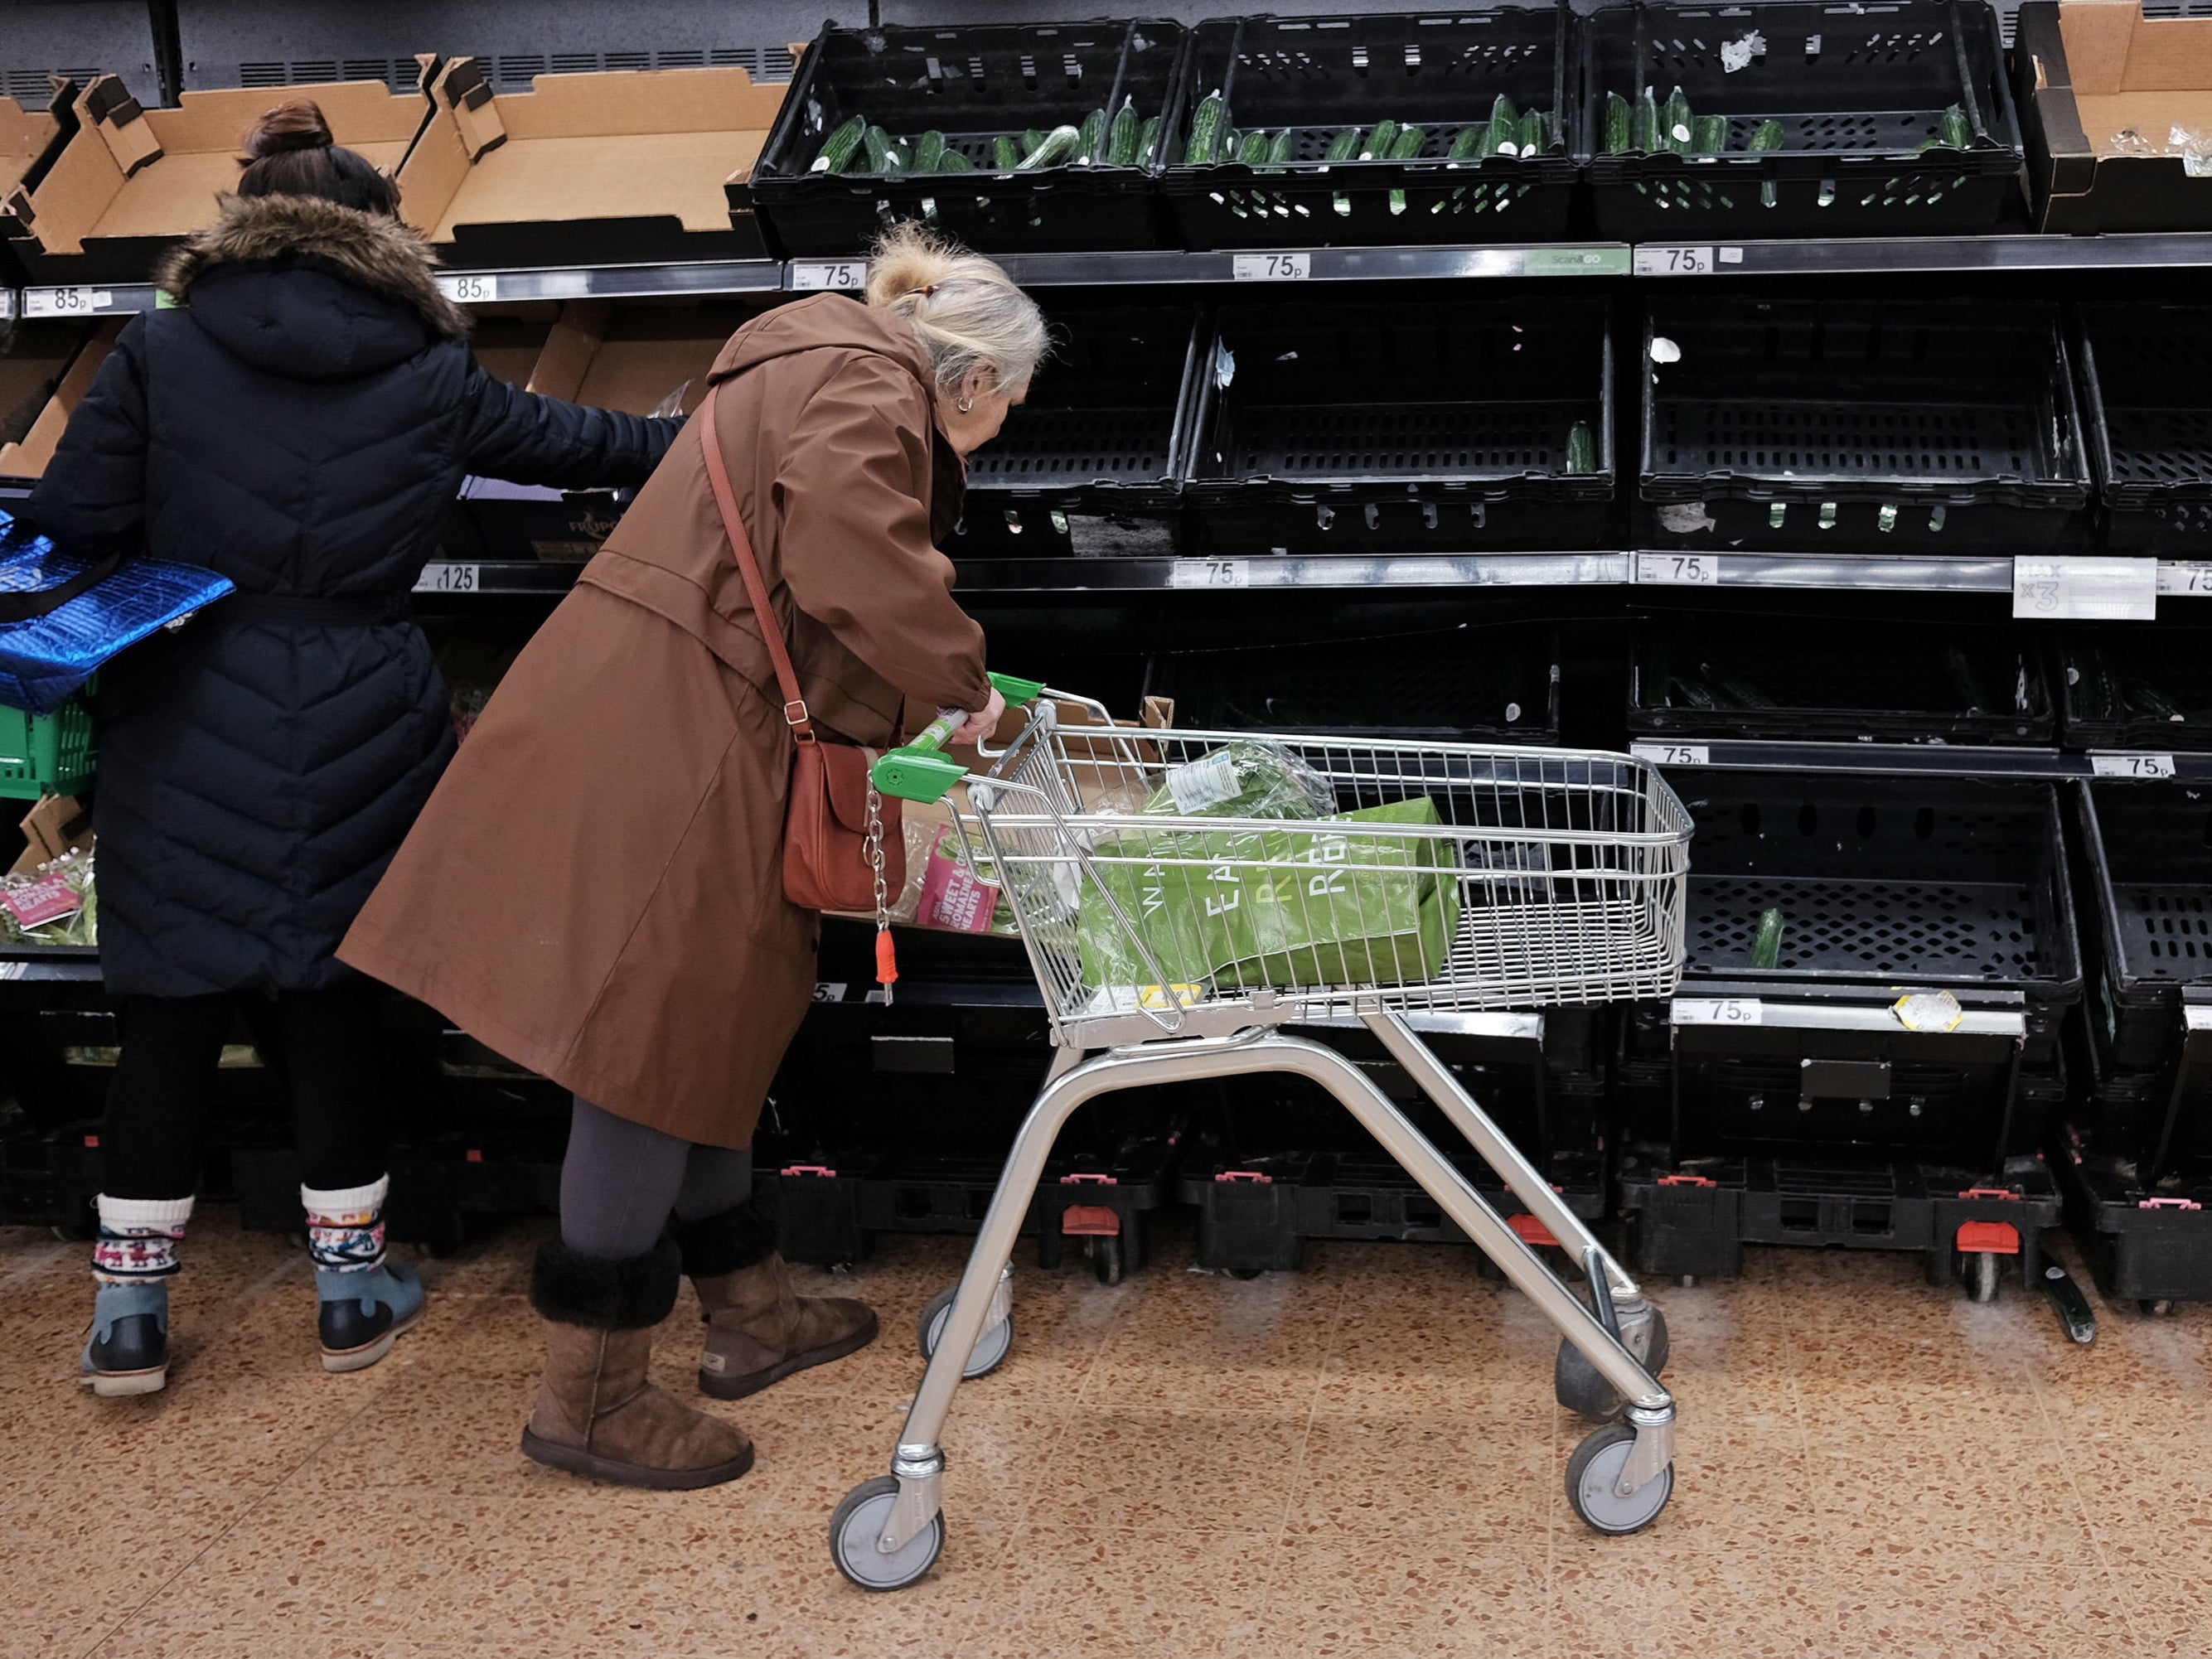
x,y
964,310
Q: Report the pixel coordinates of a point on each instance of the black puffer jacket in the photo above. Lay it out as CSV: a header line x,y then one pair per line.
x,y
300,420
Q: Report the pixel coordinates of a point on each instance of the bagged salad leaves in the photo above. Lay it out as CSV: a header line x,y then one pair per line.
x,y
57,905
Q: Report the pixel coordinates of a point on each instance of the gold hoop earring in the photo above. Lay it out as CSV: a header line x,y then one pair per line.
x,y
965,405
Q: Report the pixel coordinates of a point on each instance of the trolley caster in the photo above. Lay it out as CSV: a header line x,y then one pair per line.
x,y
1592,1474
989,1353
1980,1272
857,1526
1576,1385
1108,1260
2155,1307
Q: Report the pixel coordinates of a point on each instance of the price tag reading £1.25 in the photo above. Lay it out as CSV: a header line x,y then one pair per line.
x,y
442,576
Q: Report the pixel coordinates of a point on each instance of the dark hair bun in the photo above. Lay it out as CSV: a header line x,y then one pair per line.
x,y
297,126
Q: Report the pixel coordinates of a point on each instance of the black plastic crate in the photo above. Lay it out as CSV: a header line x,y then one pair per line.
x,y
1892,884
2149,1247
2147,386
972,82
1788,679
1464,685
1862,426
2136,687
2149,867
1367,427
1856,90
1091,463
1314,77
50,1179
1692,1221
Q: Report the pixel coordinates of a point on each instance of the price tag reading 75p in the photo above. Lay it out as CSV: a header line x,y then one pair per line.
x,y
828,273
1211,572
1716,1010
1271,267
1695,569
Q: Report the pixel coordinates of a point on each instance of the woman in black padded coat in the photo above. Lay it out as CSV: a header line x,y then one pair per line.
x,y
298,416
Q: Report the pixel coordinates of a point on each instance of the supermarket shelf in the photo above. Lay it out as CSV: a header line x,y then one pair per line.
x,y
1341,570
49,965
1910,255
1974,573
1923,759
92,300
1340,265
455,578
615,281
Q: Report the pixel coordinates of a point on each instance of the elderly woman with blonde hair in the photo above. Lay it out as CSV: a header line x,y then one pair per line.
x,y
595,890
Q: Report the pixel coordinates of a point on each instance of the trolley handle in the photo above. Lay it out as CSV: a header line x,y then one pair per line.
x,y
922,770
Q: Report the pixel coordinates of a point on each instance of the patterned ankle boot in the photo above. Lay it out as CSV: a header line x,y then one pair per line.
x,y
367,1303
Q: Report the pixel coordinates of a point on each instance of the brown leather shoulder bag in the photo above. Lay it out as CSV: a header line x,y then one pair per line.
x,y
843,848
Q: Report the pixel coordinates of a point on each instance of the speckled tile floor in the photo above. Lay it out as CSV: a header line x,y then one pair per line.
x,y
1360,1459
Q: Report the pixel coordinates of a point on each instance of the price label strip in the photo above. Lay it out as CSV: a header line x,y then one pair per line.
x,y
807,274
1271,267
2085,590
1716,1010
469,288
1672,754
1211,572
1679,569
2131,766
66,301
1680,261
445,578
2185,576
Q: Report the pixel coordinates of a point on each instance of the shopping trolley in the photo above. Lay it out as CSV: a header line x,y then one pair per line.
x,y
1500,879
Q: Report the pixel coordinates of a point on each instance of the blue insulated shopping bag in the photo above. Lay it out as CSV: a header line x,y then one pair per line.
x,y
62,616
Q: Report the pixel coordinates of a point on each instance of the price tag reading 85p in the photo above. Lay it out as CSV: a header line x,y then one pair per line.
x,y
469,288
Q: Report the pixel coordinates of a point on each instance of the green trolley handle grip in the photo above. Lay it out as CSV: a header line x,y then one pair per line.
x,y
921,770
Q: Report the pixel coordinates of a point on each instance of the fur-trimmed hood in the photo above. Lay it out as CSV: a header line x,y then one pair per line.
x,y
387,257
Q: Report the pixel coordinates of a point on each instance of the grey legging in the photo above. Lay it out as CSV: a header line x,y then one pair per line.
x,y
620,1180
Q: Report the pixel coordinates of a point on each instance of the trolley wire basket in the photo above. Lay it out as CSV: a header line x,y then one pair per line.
x,y
1183,895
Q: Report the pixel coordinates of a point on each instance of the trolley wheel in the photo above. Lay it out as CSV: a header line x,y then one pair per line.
x,y
1107,1262
1592,1473
990,1347
2155,1307
858,1524
1576,1385
1981,1275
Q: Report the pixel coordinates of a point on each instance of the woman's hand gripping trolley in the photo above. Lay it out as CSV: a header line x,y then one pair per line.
x,y
1185,896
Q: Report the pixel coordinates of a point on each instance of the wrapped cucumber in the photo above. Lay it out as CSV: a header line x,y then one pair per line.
x,y
1407,144
1253,146
953,161
1769,136
1059,146
1469,142
1005,154
928,151
1344,146
1709,135
901,156
1090,138
1737,690
1618,125
1378,146
1581,450
1147,136
2144,698
1121,137
878,143
1646,140
1206,124
1535,132
1032,140
1767,944
1966,684
1956,131
1691,693
1284,146
1677,125
839,148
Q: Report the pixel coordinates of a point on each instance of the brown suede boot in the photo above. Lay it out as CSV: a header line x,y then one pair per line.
x,y
597,1414
759,1331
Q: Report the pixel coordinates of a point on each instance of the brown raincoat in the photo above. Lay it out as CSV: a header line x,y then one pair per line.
x,y
595,890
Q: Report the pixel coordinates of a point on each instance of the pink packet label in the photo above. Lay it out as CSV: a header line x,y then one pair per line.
x,y
49,899
951,897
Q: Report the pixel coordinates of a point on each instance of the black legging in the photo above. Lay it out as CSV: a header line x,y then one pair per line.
x,y
150,1144
621,1181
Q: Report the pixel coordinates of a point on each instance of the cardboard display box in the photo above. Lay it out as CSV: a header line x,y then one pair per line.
x,y
27,457
634,357
29,141
2090,70
131,181
39,353
626,167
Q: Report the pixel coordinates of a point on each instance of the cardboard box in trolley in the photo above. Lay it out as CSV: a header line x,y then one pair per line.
x,y
627,167
131,181
2118,111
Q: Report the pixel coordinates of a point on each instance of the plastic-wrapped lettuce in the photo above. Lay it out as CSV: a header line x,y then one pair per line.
x,y
1242,780
79,927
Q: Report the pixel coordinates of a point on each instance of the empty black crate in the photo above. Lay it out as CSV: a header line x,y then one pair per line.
x,y
1314,78
1462,685
1789,679
1884,885
1856,92
1091,463
1437,427
1861,426
2148,849
973,83
2146,381
2136,687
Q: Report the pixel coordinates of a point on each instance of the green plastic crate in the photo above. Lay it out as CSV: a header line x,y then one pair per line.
x,y
46,753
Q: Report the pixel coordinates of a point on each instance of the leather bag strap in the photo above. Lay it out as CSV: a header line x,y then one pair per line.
x,y
718,475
